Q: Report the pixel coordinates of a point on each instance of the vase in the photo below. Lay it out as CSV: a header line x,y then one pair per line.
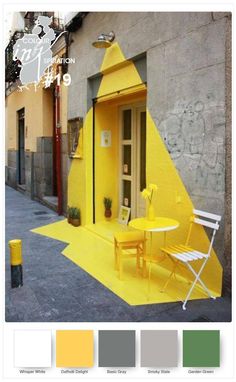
x,y
151,212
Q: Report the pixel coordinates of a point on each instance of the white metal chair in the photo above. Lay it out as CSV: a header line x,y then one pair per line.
x,y
186,255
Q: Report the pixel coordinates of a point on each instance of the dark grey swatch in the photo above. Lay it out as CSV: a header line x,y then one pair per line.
x,y
116,348
159,348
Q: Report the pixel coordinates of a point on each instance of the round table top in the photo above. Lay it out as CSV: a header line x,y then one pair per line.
x,y
160,224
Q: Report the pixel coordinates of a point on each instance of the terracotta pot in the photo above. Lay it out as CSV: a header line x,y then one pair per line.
x,y
69,219
75,222
107,213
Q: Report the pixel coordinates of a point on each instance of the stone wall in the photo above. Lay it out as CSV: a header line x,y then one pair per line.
x,y
11,169
43,168
39,170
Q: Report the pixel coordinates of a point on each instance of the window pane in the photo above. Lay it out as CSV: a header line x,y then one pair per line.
x,y
127,124
142,150
127,193
127,159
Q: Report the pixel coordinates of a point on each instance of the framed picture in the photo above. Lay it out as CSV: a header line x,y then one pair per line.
x,y
124,215
75,137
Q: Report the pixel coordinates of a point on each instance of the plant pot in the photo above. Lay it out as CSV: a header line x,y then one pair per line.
x,y
69,219
107,213
75,222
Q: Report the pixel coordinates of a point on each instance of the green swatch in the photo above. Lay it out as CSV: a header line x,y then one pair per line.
x,y
201,348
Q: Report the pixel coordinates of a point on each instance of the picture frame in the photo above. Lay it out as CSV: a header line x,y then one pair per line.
x,y
75,137
124,215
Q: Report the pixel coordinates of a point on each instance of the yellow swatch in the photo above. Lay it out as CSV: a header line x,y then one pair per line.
x,y
74,348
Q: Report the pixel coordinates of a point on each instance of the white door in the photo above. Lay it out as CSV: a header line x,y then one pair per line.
x,y
133,158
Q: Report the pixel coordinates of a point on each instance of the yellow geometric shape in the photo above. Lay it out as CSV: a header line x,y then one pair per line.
x,y
172,199
80,175
113,56
162,171
122,77
74,348
92,249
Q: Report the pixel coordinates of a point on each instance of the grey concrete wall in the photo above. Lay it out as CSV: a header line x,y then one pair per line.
x,y
186,81
28,173
11,172
43,168
39,170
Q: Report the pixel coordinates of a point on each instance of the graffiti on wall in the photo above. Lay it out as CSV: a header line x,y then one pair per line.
x,y
194,134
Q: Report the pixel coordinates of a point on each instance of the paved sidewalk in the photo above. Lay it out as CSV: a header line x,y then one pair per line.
x,y
55,289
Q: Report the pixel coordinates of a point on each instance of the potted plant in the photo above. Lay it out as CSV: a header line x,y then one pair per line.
x,y
74,216
107,204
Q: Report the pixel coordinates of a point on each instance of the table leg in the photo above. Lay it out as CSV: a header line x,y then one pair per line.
x,y
144,255
150,267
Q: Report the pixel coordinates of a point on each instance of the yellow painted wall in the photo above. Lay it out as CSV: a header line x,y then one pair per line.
x,y
38,114
47,95
33,103
172,200
106,159
80,176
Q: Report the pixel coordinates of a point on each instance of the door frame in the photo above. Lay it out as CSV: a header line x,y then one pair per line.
x,y
135,145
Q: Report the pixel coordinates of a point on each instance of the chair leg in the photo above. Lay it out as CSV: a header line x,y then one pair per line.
x,y
138,257
169,278
197,278
116,258
120,263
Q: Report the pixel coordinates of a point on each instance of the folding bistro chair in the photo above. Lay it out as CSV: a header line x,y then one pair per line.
x,y
185,255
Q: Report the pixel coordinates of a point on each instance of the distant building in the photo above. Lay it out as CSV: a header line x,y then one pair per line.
x,y
32,157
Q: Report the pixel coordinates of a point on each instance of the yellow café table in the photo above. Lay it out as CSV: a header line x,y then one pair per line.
x,y
160,224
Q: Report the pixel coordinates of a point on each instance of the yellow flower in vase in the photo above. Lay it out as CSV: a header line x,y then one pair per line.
x,y
147,194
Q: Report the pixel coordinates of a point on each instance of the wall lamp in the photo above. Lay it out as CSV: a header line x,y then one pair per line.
x,y
104,40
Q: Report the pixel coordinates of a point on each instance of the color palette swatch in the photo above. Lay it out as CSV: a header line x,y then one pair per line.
x,y
32,348
201,348
74,348
159,348
116,348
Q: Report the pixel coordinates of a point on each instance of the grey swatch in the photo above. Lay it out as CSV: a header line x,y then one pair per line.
x,y
116,348
159,348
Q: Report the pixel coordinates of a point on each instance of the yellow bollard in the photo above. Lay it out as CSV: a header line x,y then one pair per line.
x,y
16,263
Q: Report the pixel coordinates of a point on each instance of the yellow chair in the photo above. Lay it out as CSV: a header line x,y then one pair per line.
x,y
127,245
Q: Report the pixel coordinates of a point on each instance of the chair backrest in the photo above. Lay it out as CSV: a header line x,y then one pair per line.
x,y
208,220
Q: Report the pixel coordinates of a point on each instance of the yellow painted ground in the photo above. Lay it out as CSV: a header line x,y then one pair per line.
x,y
91,248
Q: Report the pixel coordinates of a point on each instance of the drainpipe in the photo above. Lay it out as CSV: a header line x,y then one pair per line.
x,y
58,146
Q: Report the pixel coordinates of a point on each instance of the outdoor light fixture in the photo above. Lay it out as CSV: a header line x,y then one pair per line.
x,y
104,40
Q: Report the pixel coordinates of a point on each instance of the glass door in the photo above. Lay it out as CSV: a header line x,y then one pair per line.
x,y
133,159
126,157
